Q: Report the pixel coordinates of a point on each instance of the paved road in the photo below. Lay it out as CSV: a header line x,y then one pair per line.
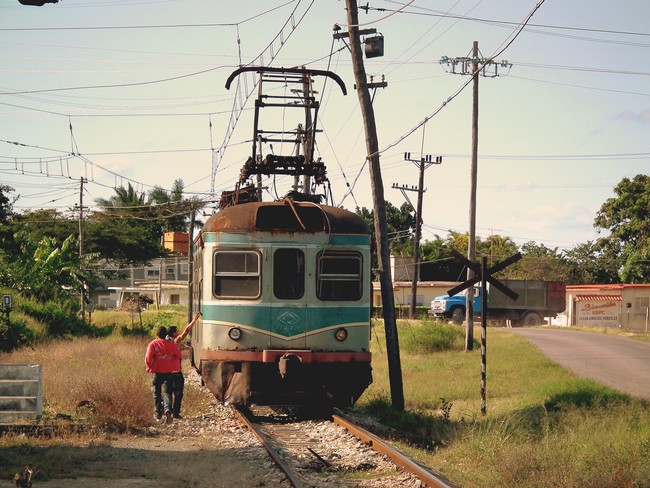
x,y
618,362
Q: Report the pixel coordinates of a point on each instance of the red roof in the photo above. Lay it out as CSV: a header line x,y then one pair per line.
x,y
598,298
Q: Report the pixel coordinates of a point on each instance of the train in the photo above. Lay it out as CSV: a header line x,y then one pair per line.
x,y
284,287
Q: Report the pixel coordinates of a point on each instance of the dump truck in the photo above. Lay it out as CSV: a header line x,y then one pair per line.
x,y
537,300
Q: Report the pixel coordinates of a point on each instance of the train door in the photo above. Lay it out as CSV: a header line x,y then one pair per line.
x,y
289,299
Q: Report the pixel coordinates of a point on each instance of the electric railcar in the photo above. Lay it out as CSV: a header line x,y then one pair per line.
x,y
285,291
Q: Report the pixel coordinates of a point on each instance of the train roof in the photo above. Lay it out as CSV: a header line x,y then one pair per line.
x,y
286,216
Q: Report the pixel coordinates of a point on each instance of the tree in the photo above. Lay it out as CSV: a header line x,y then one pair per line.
x,y
591,263
126,199
6,213
628,221
401,226
37,224
436,263
172,210
400,223
496,248
538,262
6,203
47,270
126,230
457,241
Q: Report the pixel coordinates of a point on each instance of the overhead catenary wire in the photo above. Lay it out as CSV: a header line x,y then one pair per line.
x,y
505,44
349,169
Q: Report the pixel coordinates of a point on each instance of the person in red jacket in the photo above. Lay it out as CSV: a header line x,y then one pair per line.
x,y
162,358
177,376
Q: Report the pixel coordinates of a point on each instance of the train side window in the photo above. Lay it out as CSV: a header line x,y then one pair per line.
x,y
339,276
236,274
288,274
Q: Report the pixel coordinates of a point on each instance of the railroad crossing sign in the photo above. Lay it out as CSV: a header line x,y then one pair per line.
x,y
484,275
479,272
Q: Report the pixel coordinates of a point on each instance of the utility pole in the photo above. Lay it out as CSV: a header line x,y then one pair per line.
x,y
310,130
190,266
488,67
379,206
82,299
423,163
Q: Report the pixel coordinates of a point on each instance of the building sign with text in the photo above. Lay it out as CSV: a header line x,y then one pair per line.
x,y
599,310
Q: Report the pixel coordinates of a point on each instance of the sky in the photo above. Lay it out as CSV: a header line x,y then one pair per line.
x,y
133,91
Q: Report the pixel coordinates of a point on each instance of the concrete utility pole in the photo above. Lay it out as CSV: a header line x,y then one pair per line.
x,y
464,66
381,228
423,163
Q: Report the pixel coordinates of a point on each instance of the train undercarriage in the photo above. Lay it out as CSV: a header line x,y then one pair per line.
x,y
289,378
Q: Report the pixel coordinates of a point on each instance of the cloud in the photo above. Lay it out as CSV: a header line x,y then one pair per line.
x,y
635,117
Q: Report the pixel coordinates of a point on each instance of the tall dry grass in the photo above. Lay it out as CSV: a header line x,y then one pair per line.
x,y
99,380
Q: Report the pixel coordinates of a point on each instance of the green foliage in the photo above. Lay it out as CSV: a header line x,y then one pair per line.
x,y
44,270
431,336
538,262
13,333
592,263
34,225
543,427
6,213
59,319
126,229
166,319
168,205
423,429
6,203
628,221
400,223
121,240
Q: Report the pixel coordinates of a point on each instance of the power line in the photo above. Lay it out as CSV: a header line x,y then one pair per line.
x,y
130,27
447,15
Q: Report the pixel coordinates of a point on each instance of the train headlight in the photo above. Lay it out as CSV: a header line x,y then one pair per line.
x,y
341,334
235,333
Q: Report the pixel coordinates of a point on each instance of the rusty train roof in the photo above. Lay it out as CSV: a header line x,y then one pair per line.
x,y
283,216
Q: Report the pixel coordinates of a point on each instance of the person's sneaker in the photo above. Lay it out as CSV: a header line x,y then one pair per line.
x,y
157,417
178,417
168,419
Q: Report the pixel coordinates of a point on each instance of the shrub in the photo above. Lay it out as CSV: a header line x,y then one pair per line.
x,y
431,337
58,319
422,429
13,334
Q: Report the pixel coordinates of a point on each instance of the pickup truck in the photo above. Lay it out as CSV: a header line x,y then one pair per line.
x,y
537,300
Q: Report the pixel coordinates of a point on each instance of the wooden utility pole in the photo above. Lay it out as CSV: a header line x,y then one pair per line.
x,y
190,266
82,299
423,163
471,242
475,66
379,207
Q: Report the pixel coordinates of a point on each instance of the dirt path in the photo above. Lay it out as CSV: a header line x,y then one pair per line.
x,y
197,452
208,451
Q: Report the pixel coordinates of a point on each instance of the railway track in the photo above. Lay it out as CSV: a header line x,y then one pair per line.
x,y
333,452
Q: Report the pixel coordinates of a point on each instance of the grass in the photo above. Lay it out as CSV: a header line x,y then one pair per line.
x,y
99,381
544,427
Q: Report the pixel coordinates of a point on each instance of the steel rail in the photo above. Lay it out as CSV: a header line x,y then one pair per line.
x,y
243,415
400,459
